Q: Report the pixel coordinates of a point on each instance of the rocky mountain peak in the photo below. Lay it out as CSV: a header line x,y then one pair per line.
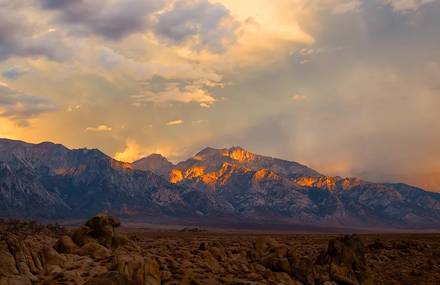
x,y
157,156
154,162
236,153
154,159
207,151
240,154
50,181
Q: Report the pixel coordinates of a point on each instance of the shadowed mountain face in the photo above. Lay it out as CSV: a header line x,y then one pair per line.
x,y
215,186
155,163
50,181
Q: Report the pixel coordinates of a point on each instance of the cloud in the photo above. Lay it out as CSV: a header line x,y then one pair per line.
x,y
72,108
162,90
406,5
20,107
20,37
173,123
132,152
111,19
207,25
14,72
349,6
263,32
375,82
339,7
366,74
100,128
187,94
298,97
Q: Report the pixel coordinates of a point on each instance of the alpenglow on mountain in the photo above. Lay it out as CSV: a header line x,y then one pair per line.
x,y
216,186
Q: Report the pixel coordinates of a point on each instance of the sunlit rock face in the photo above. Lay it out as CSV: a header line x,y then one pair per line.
x,y
215,186
267,189
175,176
328,183
212,160
241,155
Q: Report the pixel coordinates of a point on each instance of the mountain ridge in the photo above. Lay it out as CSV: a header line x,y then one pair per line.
x,y
229,185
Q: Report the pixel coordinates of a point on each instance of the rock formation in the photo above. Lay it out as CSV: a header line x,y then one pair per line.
x,y
98,253
92,254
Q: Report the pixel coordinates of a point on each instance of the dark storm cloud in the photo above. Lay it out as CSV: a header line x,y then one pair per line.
x,y
200,19
21,107
19,38
110,19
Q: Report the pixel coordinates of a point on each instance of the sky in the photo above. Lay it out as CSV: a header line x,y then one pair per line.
x,y
347,87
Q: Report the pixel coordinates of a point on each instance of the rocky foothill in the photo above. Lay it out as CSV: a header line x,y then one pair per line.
x,y
98,253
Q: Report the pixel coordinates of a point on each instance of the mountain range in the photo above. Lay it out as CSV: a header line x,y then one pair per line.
x,y
216,186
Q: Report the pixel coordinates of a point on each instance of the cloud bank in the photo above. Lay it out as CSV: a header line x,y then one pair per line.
x,y
21,107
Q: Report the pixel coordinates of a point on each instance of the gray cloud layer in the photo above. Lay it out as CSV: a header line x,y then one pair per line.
x,y
110,19
199,18
21,107
19,38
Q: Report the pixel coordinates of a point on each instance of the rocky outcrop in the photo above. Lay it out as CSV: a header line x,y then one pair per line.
x,y
92,254
110,278
24,251
102,228
343,262
35,254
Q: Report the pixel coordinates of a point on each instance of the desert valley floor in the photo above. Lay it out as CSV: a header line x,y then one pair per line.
x,y
391,258
101,253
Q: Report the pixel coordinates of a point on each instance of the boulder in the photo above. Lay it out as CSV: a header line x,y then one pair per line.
x,y
302,269
141,270
272,255
66,245
218,252
52,257
14,280
263,246
7,261
102,228
344,261
211,263
110,278
81,235
25,271
94,250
